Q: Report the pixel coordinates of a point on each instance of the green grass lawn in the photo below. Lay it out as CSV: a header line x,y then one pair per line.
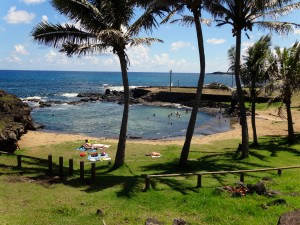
x,y
29,196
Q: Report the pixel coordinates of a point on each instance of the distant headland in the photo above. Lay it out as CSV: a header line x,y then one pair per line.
x,y
220,72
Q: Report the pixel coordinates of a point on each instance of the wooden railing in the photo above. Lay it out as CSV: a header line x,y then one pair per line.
x,y
61,168
200,174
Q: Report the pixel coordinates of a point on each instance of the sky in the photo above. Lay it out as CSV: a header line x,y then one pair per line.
x,y
178,53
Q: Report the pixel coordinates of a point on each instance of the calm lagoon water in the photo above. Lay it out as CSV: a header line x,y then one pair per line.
x,y
101,119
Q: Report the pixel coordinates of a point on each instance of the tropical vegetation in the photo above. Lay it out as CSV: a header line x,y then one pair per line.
x,y
254,74
285,79
242,16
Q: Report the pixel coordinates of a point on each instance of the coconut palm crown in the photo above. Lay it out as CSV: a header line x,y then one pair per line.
x,y
99,27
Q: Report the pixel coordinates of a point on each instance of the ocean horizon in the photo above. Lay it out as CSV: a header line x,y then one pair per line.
x,y
103,119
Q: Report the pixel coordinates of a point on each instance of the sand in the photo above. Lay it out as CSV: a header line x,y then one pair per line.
x,y
267,123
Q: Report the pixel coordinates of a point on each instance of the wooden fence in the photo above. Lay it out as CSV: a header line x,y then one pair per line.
x,y
61,169
200,174
147,178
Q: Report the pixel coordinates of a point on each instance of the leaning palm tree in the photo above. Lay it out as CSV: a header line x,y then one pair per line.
x,y
254,72
195,7
285,79
101,26
243,15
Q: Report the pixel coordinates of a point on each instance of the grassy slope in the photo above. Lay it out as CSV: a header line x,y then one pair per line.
x,y
120,193
29,197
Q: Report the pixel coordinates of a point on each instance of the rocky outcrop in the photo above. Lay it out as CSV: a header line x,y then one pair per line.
x,y
15,120
290,218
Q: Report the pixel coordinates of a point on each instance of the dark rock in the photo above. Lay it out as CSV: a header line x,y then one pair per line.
x,y
258,188
37,126
272,193
152,221
15,120
290,218
100,212
240,184
179,222
44,104
279,201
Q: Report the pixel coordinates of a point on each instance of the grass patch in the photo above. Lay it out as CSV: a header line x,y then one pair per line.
x,y
29,196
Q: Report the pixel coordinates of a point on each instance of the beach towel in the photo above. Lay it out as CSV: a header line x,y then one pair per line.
x,y
100,146
87,150
98,157
154,154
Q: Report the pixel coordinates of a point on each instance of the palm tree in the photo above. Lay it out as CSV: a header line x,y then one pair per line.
x,y
254,72
286,79
195,7
243,15
103,26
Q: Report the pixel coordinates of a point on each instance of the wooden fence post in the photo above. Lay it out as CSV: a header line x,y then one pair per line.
x,y
147,179
199,181
81,170
242,177
50,164
93,172
61,166
19,157
279,172
71,167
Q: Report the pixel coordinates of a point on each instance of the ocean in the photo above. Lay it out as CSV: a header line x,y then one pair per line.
x,y
103,119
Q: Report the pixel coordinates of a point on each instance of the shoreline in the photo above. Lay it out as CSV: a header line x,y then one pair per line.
x,y
266,121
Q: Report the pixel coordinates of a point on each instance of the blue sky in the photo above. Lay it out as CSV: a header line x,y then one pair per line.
x,y
178,52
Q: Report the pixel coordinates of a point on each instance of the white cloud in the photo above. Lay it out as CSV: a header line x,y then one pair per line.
x,y
13,59
15,16
138,55
180,44
215,41
247,44
297,31
33,1
44,18
20,49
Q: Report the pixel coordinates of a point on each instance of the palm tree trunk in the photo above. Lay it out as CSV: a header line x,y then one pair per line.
x,y
243,118
253,111
253,122
120,154
291,134
191,126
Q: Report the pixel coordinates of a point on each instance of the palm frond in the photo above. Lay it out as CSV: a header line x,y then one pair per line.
x,y
111,36
143,41
148,21
190,20
75,49
277,10
55,35
82,11
282,28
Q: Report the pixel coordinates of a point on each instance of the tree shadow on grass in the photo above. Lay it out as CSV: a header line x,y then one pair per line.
x,y
275,144
132,183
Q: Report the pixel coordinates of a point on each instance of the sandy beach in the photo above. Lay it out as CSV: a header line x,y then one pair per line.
x,y
266,121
